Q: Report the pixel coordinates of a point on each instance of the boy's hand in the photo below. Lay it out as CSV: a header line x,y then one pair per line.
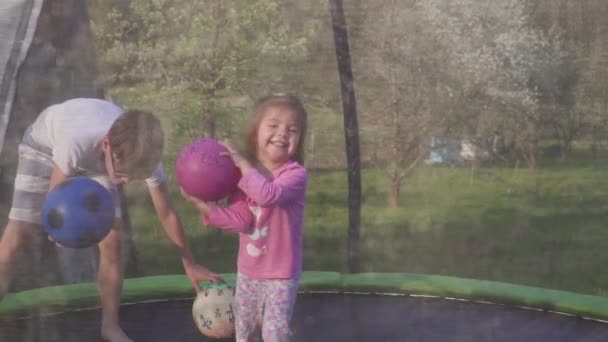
x,y
55,242
197,273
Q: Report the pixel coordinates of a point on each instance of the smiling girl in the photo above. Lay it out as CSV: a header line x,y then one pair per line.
x,y
267,211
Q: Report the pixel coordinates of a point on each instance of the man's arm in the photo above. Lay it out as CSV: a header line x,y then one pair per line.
x,y
173,227
170,221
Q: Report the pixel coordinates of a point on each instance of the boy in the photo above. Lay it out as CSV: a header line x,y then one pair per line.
x,y
92,137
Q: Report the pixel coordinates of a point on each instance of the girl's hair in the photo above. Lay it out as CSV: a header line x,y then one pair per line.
x,y
287,101
137,140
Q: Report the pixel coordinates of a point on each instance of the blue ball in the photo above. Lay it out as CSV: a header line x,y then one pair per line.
x,y
78,212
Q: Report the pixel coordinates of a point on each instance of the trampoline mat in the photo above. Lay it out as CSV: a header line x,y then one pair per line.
x,y
330,317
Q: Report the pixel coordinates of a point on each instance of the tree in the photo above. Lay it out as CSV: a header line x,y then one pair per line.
x,y
403,101
200,60
497,56
592,94
583,27
560,88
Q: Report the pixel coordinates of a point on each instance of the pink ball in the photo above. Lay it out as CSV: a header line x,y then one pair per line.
x,y
202,172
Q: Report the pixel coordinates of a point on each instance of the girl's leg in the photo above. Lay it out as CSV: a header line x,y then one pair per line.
x,y
248,309
280,299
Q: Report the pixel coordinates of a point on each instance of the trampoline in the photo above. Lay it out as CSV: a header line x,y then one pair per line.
x,y
331,307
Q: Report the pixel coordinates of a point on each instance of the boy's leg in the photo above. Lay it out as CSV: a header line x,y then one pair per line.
x,y
110,281
280,298
16,234
31,185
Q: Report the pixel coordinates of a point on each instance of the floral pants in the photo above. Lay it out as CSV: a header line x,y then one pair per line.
x,y
263,308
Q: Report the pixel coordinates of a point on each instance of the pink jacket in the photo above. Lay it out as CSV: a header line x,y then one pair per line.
x,y
268,213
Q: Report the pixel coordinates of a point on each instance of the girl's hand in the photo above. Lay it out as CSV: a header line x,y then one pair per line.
x,y
238,159
199,204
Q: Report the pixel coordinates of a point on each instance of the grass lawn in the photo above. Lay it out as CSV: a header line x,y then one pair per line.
x,y
543,228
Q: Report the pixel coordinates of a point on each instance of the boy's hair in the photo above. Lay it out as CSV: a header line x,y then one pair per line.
x,y
288,101
136,140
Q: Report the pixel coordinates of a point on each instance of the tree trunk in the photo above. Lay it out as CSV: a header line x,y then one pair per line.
x,y
208,114
394,190
566,149
395,164
531,156
351,130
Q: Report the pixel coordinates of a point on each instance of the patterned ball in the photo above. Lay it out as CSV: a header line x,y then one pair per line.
x,y
213,310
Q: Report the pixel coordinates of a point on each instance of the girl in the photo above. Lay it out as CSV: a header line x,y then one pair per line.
x,y
267,211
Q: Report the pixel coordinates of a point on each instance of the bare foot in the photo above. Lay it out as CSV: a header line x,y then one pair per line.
x,y
114,334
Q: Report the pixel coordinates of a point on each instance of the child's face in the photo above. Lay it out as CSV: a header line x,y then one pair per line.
x,y
117,176
278,136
